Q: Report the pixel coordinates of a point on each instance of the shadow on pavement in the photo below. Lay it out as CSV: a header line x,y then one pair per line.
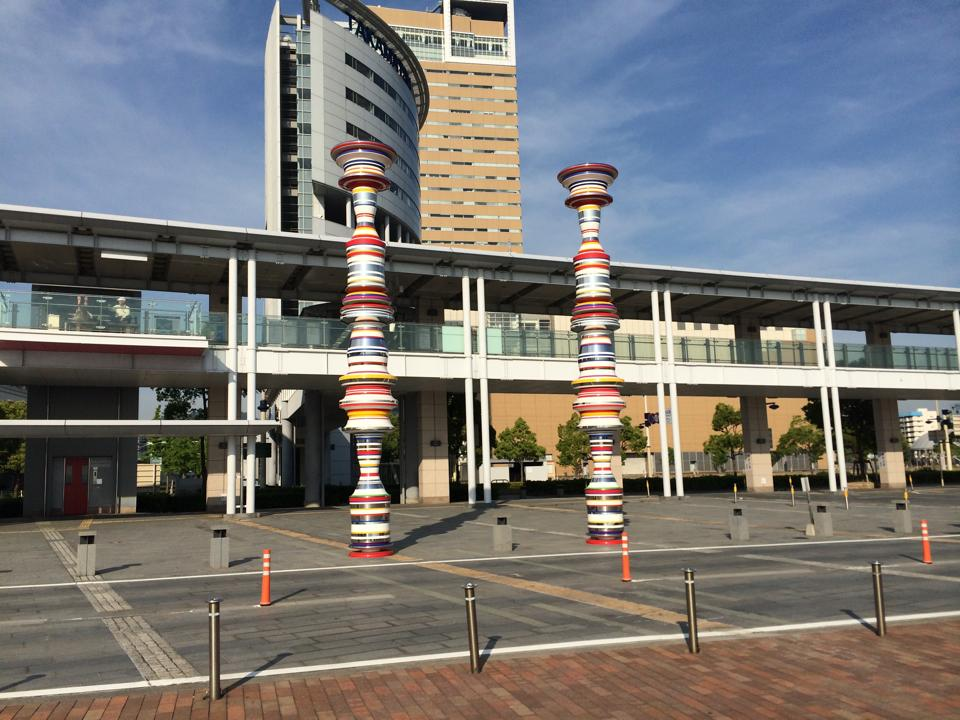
x,y
485,650
115,568
441,527
868,626
287,596
251,675
242,561
28,678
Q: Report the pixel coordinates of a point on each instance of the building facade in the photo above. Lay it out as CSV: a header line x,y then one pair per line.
x,y
469,144
327,81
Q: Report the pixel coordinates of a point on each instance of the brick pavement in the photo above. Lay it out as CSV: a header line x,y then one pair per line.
x,y
913,673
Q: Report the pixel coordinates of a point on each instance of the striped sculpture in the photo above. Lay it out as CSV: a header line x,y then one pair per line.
x,y
594,320
366,309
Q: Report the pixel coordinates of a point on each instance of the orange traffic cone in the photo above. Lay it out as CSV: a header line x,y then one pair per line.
x,y
625,546
925,540
265,583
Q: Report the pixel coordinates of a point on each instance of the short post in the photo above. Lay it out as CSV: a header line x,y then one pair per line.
x,y
87,554
902,521
910,480
502,536
648,487
735,496
846,499
213,611
625,559
470,598
739,527
265,580
219,548
878,598
793,496
823,521
925,543
692,631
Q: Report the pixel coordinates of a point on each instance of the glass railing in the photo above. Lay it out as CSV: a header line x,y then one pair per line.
x,y
895,357
72,312
68,312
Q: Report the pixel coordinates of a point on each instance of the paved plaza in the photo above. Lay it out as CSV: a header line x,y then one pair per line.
x,y
839,674
141,624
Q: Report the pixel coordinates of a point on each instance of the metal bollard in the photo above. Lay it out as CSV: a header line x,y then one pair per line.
x,y
878,598
213,608
87,554
470,598
691,610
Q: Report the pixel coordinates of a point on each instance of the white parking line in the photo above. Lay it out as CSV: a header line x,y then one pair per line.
x,y
453,655
462,561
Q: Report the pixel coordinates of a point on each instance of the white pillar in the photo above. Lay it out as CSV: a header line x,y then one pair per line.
x,y
468,393
835,396
231,491
484,391
824,399
956,333
251,506
661,403
674,403
386,228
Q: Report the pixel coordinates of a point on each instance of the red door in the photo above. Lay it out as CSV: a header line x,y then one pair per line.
x,y
75,486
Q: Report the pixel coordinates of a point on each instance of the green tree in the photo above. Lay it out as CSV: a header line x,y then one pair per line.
x,y
727,441
802,438
12,450
573,445
633,438
391,441
859,434
519,444
181,455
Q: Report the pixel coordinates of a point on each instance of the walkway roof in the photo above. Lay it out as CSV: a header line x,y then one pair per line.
x,y
39,245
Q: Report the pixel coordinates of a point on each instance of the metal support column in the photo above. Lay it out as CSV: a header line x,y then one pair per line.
x,y
661,403
251,506
231,489
674,402
824,399
835,395
468,393
484,391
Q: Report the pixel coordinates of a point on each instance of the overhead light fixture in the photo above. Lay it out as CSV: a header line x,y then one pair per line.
x,y
123,256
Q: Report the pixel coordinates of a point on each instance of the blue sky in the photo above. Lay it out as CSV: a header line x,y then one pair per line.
x,y
816,138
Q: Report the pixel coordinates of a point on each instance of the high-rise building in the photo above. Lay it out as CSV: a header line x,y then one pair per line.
x,y
328,80
469,144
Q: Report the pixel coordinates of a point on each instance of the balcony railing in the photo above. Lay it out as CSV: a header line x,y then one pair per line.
x,y
78,312
92,313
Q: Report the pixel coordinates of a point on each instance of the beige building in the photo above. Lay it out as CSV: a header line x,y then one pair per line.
x,y
469,144
545,412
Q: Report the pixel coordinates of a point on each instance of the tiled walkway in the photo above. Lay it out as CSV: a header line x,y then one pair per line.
x,y
912,673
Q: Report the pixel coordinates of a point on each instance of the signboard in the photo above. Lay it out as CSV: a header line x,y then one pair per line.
x,y
805,483
668,417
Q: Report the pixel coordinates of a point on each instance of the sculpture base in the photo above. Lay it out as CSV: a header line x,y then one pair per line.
x,y
603,541
370,553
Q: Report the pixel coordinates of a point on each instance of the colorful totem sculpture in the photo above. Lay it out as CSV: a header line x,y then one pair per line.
x,y
594,320
367,309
